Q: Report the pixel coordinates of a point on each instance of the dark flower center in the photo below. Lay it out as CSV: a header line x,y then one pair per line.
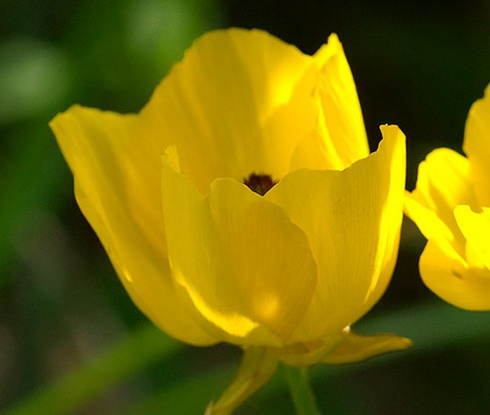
x,y
259,183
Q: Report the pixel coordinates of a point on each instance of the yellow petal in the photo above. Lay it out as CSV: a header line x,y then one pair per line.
x,y
223,106
352,219
355,347
330,96
256,368
449,276
341,113
118,192
476,230
477,146
343,347
443,182
247,268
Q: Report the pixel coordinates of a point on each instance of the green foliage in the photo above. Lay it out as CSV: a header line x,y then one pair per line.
x,y
142,347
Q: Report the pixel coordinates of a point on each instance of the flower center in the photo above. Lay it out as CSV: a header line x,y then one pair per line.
x,y
259,183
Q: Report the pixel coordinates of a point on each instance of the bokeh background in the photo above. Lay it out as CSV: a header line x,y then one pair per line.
x,y
71,342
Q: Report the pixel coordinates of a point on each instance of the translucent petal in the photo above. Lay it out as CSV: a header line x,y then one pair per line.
x,y
352,219
247,268
355,347
339,136
345,346
256,368
119,194
449,276
232,106
341,114
477,146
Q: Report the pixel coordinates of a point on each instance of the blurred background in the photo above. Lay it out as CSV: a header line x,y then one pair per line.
x,y
71,341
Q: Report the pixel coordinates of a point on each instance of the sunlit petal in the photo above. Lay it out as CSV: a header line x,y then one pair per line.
x,y
227,106
450,205
352,219
443,182
477,146
247,268
339,136
449,276
476,230
115,190
341,115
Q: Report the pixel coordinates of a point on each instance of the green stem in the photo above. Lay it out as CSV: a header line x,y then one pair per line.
x,y
301,391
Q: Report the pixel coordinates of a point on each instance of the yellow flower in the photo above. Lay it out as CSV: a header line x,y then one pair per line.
x,y
242,205
451,207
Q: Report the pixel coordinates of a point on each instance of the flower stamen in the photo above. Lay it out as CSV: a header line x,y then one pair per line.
x,y
259,183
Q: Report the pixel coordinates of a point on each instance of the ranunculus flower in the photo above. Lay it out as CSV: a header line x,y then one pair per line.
x,y
451,207
242,205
